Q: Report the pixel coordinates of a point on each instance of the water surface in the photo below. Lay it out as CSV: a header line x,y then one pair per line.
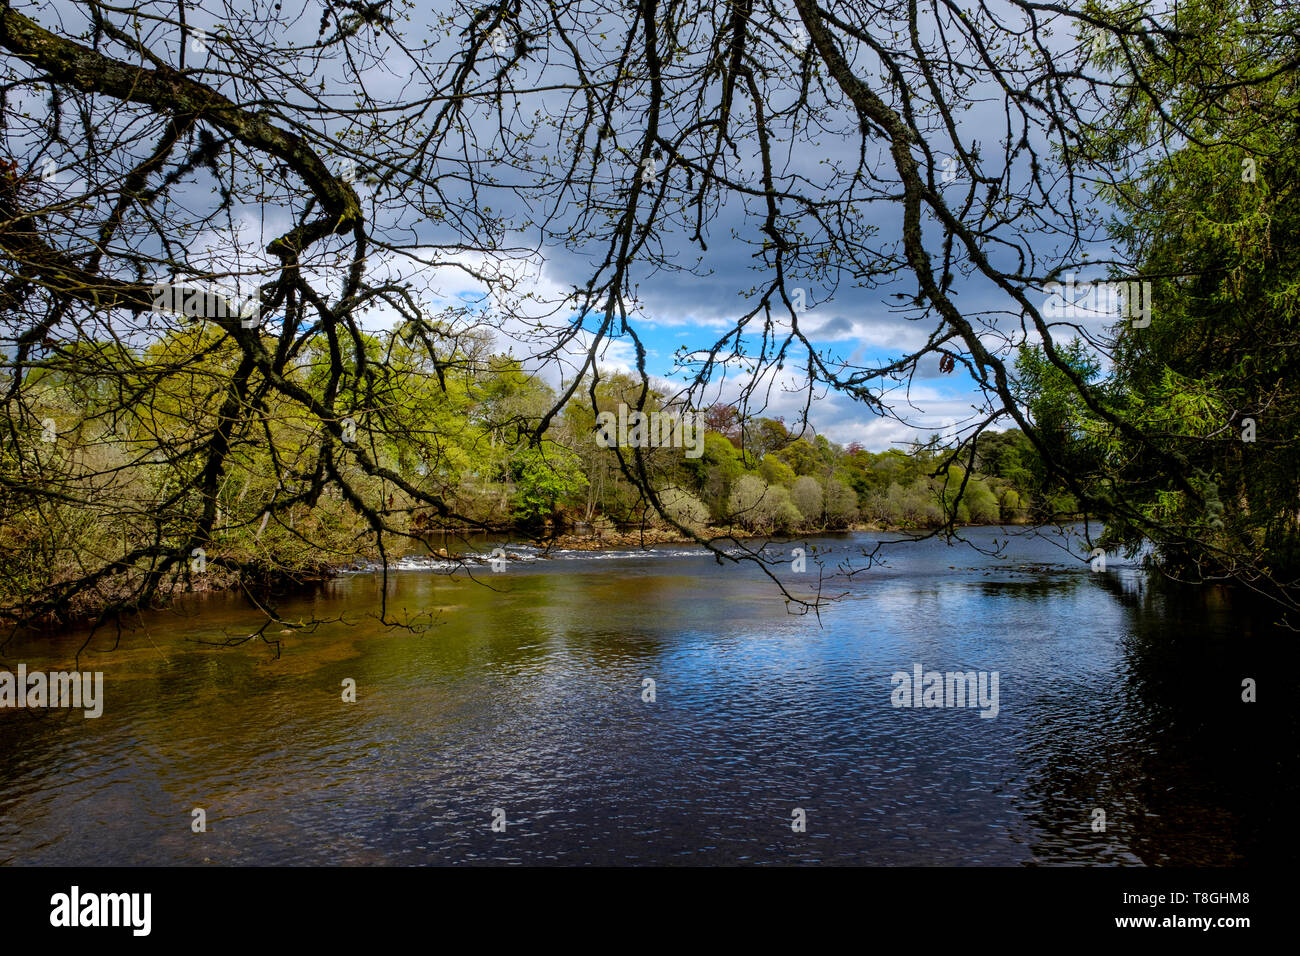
x,y
526,694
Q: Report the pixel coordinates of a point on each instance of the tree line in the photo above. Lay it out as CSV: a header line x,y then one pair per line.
x,y
102,474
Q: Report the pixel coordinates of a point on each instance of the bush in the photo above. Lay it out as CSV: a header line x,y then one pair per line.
x,y
746,496
807,497
779,512
841,504
760,507
981,502
1013,506
776,472
684,508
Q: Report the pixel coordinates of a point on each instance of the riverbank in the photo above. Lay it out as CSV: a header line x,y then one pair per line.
x,y
606,539
472,547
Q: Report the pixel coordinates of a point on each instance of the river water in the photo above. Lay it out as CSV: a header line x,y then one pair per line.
x,y
520,699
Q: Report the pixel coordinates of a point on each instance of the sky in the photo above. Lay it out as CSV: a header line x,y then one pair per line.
x,y
676,310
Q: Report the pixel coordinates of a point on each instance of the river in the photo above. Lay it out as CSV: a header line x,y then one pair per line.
x,y
510,722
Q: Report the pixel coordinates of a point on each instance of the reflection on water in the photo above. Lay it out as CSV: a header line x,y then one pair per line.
x,y
526,695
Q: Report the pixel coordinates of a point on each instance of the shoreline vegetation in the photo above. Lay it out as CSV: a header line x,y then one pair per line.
x,y
615,539
474,445
284,581
598,539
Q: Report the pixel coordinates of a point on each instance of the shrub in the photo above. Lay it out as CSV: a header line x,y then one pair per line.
x,y
684,508
807,497
841,504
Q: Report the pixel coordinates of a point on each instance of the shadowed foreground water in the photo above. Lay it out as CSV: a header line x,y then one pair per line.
x,y
1113,695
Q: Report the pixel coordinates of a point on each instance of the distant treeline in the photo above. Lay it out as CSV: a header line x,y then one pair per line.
x,y
103,464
